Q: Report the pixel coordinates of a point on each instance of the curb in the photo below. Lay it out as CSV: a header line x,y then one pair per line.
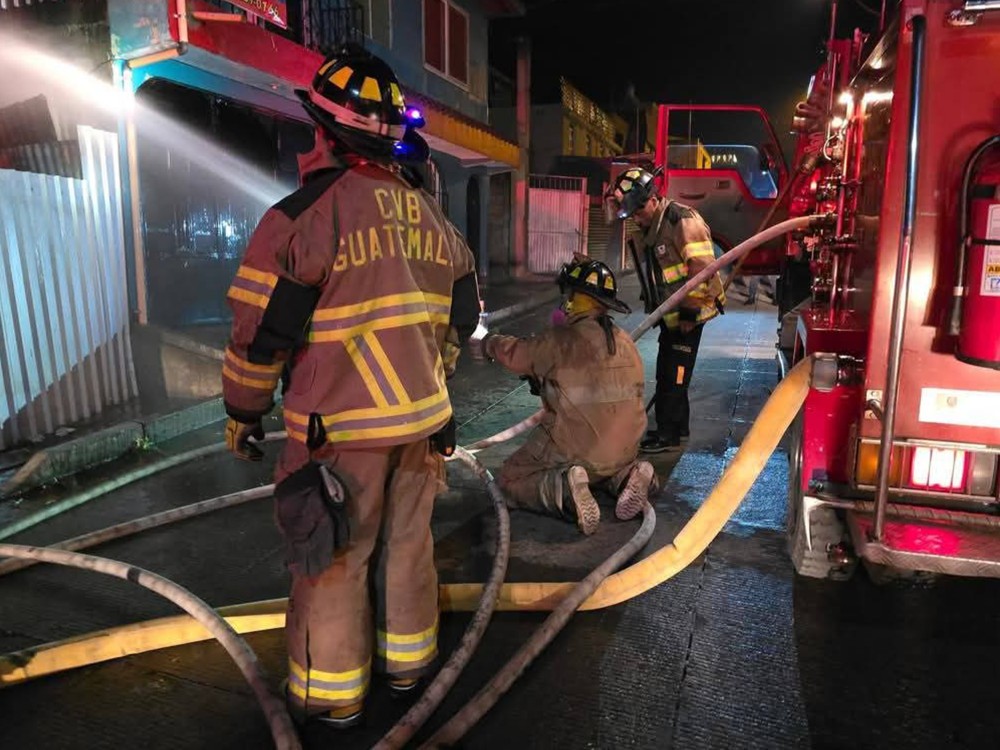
x,y
506,313
81,453
62,460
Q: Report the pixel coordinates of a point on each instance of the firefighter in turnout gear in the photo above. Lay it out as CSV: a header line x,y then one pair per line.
x,y
673,243
354,291
589,375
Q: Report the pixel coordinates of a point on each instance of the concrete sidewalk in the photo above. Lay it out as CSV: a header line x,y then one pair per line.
x,y
123,433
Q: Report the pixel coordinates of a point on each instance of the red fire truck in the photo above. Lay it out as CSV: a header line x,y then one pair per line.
x,y
894,457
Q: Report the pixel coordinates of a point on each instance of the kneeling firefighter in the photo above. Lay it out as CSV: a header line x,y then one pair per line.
x,y
355,290
589,375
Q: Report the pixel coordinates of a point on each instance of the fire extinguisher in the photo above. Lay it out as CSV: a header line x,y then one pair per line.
x,y
976,304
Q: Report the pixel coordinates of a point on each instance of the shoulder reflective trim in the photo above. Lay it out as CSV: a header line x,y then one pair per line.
x,y
701,249
238,363
367,376
672,319
263,385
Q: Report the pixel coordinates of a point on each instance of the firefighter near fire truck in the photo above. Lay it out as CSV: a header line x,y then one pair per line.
x,y
589,376
354,291
673,243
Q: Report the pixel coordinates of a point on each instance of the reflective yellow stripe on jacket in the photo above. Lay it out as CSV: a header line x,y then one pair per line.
x,y
701,249
399,420
243,372
392,311
253,287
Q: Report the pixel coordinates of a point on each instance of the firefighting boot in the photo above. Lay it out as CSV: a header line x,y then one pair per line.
x,y
584,506
636,493
341,717
403,687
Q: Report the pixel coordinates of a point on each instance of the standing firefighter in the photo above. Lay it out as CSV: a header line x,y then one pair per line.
x,y
589,375
675,243
357,289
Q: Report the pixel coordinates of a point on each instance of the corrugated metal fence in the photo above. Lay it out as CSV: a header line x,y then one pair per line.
x,y
557,221
65,353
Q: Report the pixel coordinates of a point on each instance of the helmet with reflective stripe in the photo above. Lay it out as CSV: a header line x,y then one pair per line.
x,y
631,190
356,97
593,278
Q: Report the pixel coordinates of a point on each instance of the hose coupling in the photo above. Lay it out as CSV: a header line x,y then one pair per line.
x,y
831,370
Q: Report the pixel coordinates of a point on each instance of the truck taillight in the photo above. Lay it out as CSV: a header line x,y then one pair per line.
x,y
938,469
866,470
930,469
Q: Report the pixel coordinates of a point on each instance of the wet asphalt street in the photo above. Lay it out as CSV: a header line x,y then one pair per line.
x,y
734,652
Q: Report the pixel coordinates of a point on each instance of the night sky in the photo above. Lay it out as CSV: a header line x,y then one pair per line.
x,y
678,51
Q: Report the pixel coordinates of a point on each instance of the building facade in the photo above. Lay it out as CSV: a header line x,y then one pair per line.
x,y
199,99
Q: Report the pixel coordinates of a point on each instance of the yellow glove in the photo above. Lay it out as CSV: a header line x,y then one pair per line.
x,y
238,436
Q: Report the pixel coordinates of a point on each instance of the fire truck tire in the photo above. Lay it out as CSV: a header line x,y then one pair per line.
x,y
826,529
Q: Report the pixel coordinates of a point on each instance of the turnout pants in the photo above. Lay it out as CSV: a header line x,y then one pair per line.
x,y
534,477
377,604
675,362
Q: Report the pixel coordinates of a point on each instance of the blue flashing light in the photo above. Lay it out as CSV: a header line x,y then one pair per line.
x,y
415,116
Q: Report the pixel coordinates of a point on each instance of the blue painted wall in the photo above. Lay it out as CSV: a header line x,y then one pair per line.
x,y
407,58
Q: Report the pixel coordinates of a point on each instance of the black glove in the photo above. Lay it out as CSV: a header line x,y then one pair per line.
x,y
445,440
310,509
238,436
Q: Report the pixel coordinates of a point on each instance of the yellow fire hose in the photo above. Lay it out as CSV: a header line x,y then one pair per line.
x,y
690,542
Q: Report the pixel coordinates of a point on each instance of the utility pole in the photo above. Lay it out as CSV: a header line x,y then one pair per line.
x,y
519,233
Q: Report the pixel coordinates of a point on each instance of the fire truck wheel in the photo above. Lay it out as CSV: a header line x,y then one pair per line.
x,y
826,530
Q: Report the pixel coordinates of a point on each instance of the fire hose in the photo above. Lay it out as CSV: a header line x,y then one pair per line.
x,y
487,697
282,730
669,304
422,710
651,571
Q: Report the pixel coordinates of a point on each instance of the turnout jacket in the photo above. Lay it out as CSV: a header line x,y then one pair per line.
x,y
677,245
355,289
593,399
